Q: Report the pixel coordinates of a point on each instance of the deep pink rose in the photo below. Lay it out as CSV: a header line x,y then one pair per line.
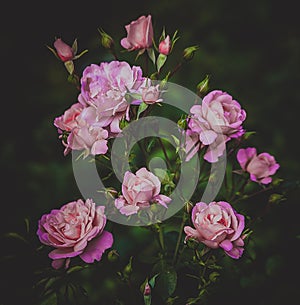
x,y
217,224
140,190
165,46
105,87
139,34
88,135
260,167
218,119
67,121
76,229
63,51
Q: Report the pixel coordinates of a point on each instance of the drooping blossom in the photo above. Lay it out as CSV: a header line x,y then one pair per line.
x,y
106,87
260,167
76,229
139,34
217,120
140,190
217,225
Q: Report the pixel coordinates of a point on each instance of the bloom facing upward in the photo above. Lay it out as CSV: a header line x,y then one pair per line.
x,y
76,229
105,87
139,34
260,167
140,190
217,224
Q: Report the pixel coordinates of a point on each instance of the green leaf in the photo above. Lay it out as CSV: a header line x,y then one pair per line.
x,y
167,282
16,235
161,59
143,106
74,47
151,55
248,134
75,268
69,66
152,280
50,300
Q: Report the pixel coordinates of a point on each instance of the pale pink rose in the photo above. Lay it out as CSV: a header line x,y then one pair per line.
x,y
76,229
67,121
260,167
217,224
105,87
88,135
139,34
140,190
218,119
63,51
165,46
151,95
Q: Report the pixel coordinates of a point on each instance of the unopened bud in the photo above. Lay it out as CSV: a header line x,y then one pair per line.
x,y
202,87
106,40
165,46
63,50
147,289
188,53
188,207
112,256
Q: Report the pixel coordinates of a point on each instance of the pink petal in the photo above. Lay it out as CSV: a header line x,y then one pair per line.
x,y
96,247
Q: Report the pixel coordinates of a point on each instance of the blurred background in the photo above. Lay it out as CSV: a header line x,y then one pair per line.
x,y
251,49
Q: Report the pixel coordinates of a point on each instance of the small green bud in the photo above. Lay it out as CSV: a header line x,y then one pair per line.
x,y
112,256
202,87
188,53
106,40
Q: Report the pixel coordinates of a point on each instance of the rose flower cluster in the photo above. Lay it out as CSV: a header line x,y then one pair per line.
x,y
108,93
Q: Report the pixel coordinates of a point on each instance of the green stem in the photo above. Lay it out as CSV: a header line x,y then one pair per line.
x,y
179,237
165,153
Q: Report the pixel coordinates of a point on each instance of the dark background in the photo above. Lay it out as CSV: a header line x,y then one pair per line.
x,y
251,49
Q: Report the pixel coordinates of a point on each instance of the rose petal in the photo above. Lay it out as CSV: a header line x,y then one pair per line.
x,y
96,247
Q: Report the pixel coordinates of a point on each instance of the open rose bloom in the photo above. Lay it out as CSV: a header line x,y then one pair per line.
x,y
105,87
84,132
217,225
76,229
217,120
260,167
140,190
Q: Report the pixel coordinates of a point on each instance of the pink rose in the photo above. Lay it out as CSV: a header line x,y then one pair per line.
x,y
63,51
217,224
260,167
88,135
216,121
67,121
105,87
139,34
76,229
140,190
151,95
165,46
